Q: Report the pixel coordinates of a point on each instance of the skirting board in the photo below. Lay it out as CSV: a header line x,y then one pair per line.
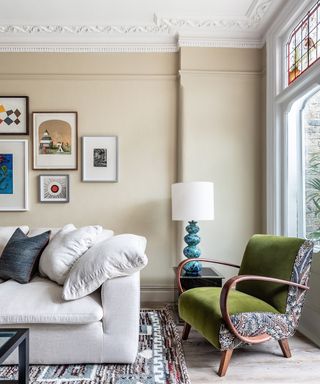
x,y
310,325
309,335
157,294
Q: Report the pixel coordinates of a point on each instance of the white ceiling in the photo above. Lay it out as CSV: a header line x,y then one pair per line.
x,y
105,25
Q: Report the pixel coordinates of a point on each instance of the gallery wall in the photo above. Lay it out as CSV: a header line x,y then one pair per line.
x,y
128,95
192,115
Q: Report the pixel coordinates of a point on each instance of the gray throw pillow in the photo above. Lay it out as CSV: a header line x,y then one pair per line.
x,y
20,257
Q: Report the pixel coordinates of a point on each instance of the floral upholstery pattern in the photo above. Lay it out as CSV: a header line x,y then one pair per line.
x,y
278,326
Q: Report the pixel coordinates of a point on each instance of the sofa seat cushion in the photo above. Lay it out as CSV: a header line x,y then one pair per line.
x,y
40,301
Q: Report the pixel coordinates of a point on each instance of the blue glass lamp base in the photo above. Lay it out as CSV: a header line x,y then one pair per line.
x,y
191,250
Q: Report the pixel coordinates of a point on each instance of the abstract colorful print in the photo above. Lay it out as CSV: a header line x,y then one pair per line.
x,y
6,174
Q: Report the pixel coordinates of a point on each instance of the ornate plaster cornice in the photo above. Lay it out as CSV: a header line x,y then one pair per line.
x,y
254,17
163,32
209,42
83,29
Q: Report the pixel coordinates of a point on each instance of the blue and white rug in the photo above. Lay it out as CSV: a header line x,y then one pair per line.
x,y
160,360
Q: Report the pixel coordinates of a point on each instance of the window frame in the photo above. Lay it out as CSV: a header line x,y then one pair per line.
x,y
281,96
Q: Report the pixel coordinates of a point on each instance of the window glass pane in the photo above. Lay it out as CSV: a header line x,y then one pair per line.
x,y
311,126
304,62
298,36
313,21
292,60
292,44
303,46
313,39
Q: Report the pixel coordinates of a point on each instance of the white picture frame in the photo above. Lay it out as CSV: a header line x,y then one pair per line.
x,y
100,159
54,188
55,140
14,175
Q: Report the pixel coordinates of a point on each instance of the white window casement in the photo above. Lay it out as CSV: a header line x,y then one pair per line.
x,y
291,144
291,141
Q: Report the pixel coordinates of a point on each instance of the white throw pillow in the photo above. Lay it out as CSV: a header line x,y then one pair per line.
x,y
119,256
38,231
7,232
104,235
65,249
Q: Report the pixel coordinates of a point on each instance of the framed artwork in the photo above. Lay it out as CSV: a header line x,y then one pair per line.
x,y
100,158
14,115
55,140
54,188
13,175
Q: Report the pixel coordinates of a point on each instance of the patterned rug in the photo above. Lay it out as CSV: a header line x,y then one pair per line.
x,y
160,360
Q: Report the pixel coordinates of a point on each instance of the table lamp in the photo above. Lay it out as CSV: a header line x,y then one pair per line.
x,y
192,202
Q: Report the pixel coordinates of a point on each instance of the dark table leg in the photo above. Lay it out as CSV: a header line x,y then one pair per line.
x,y
24,361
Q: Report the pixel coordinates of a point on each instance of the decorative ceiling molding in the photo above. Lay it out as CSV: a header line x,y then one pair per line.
x,y
160,25
116,47
209,42
250,22
163,34
83,29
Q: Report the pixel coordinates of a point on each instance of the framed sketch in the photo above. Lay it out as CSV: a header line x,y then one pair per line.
x,y
13,175
55,140
14,115
54,188
100,158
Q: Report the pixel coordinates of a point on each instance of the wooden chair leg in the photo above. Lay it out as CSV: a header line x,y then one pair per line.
x,y
224,362
284,345
186,331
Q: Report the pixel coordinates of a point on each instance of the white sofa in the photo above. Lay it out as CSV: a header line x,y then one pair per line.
x,y
100,328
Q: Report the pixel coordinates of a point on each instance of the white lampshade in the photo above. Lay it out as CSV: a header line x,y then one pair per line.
x,y
192,201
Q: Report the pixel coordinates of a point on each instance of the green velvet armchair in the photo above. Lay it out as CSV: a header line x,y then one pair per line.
x,y
266,303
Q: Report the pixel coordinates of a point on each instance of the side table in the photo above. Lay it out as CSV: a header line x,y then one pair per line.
x,y
208,277
10,339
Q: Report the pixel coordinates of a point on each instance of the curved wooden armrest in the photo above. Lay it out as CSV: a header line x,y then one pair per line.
x,y
224,297
184,262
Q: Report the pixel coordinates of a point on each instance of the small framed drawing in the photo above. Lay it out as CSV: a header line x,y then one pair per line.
x,y
55,140
14,115
54,188
100,158
13,175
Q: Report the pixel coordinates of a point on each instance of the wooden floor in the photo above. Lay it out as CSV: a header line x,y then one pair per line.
x,y
254,364
262,363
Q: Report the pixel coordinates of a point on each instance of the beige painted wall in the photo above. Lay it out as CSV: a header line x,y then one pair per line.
x,y
128,95
213,132
221,137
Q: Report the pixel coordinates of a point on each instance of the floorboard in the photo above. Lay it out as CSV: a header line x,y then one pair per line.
x,y
262,363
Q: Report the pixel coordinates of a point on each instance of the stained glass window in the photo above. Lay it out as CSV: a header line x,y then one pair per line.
x,y
303,46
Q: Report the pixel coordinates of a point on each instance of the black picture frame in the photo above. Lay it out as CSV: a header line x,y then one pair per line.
x,y
13,117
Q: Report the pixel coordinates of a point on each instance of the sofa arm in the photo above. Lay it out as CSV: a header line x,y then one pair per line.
x,y
121,308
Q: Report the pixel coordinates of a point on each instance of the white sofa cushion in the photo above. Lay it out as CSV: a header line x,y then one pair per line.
x,y
104,235
7,232
65,249
119,256
40,302
38,231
